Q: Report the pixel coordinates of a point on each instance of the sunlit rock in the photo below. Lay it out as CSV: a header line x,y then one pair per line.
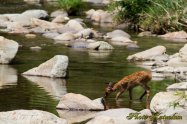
x,y
147,54
30,117
179,35
30,35
74,25
60,19
65,37
163,102
99,54
76,116
16,28
55,67
183,53
73,101
119,116
117,33
177,62
177,86
8,75
51,35
100,45
56,87
8,50
45,24
59,13
86,33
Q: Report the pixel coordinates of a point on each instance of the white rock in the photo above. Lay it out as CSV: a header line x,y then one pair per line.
x,y
55,67
74,25
147,54
59,13
35,14
16,28
55,87
121,39
60,19
65,37
86,33
76,116
100,45
175,35
73,101
30,117
118,116
166,69
8,50
117,33
45,24
89,13
146,33
51,35
177,86
162,102
177,62
183,53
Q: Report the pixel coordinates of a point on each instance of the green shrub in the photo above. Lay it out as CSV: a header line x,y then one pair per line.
x,y
72,6
158,16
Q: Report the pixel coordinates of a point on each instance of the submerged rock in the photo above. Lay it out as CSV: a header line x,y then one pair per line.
x,y
8,50
55,67
29,117
146,33
73,101
30,35
36,48
147,54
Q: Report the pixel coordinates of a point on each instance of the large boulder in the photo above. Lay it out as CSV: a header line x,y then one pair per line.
x,y
54,86
55,67
163,102
8,50
147,54
29,117
100,45
73,101
119,116
25,18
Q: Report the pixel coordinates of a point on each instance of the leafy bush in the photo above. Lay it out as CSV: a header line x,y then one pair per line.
x,y
158,16
72,6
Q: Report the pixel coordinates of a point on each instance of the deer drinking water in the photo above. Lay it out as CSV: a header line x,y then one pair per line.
x,y
140,78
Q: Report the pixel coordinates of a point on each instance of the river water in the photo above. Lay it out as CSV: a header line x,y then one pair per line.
x,y
88,72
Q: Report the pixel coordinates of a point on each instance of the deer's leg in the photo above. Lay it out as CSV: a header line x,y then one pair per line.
x,y
119,93
147,91
130,93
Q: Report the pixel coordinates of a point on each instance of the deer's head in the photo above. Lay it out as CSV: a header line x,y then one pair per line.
x,y
108,89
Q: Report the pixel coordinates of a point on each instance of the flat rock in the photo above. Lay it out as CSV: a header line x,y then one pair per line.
x,y
29,117
55,67
73,101
175,35
147,54
8,50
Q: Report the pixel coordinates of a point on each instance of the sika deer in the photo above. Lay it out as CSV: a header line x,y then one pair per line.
x,y
140,78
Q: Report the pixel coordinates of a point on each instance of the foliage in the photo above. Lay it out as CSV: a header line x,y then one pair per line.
x,y
182,96
72,6
158,16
